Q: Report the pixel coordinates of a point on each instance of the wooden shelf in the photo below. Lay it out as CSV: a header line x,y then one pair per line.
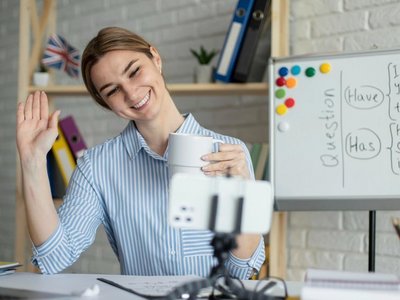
x,y
219,89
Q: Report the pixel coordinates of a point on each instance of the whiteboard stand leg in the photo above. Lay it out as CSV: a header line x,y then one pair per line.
x,y
371,241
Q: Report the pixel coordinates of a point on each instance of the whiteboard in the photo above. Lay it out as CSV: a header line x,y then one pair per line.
x,y
335,131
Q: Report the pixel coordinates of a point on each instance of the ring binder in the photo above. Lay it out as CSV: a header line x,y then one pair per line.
x,y
233,41
63,155
246,54
74,138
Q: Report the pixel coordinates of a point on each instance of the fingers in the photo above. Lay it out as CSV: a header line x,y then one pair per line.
x,y
36,107
44,106
53,121
28,107
226,152
20,113
230,147
231,159
224,167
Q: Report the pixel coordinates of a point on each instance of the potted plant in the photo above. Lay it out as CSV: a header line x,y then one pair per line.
x,y
203,71
41,76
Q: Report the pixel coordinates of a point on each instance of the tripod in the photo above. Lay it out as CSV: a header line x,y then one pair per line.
x,y
222,244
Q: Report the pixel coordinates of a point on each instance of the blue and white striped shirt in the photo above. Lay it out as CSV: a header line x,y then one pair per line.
x,y
123,184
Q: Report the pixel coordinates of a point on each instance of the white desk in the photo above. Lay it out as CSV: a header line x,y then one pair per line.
x,y
67,284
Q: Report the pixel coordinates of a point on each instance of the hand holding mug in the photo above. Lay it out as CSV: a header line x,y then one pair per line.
x,y
194,154
231,159
185,152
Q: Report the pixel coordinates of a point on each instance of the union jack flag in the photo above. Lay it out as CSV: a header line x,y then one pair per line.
x,y
59,54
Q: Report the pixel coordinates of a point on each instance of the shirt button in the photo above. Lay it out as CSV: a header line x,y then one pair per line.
x,y
172,252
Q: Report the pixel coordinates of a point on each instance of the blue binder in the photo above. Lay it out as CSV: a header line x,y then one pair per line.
x,y
233,41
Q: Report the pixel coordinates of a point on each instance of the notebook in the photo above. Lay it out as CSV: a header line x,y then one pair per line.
x,y
9,293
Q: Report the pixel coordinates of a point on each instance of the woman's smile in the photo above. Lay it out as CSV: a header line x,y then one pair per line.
x,y
142,102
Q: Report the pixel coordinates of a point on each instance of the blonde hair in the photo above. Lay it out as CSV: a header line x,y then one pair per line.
x,y
109,39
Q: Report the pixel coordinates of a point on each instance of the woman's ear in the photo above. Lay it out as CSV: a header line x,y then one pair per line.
x,y
156,58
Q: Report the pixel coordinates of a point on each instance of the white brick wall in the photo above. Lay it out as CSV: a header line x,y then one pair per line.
x,y
339,240
309,8
8,85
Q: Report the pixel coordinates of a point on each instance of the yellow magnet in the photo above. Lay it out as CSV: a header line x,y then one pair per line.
x,y
281,109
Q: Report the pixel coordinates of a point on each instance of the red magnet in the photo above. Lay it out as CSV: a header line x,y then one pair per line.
x,y
280,81
289,102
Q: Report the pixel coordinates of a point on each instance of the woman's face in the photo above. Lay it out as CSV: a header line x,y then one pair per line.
x,y
130,83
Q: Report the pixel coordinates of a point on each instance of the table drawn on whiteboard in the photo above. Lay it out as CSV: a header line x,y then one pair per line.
x,y
342,118
363,143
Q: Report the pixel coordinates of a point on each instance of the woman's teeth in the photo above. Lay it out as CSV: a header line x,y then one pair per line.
x,y
143,101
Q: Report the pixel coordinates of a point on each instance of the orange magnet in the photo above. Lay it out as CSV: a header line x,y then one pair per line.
x,y
291,82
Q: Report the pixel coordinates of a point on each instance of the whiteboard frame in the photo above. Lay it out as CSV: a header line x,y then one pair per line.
x,y
370,203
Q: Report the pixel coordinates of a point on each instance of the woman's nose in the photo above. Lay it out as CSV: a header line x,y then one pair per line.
x,y
130,92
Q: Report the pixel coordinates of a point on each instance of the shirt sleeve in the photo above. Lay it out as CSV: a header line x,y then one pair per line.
x,y
79,217
245,268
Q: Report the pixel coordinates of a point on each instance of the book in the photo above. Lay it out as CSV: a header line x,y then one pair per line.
x,y
64,157
266,175
57,185
255,154
6,272
320,293
262,161
8,264
233,41
73,136
8,267
366,280
332,284
259,14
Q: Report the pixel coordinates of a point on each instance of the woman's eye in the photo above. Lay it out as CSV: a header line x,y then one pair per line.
x,y
112,92
133,73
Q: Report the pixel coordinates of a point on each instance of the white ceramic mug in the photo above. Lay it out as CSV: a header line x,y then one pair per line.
x,y
185,152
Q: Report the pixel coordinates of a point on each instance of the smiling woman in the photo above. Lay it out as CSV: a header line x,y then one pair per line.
x,y
123,182
110,39
131,86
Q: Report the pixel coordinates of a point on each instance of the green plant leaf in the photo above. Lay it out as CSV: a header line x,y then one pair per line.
x,y
196,54
203,56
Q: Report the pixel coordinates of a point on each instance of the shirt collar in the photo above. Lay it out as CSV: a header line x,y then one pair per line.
x,y
134,141
189,126
130,139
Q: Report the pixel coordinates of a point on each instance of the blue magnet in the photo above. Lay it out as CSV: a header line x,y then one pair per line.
x,y
283,71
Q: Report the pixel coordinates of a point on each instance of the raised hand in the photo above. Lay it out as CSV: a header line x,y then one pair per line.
x,y
230,159
36,130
